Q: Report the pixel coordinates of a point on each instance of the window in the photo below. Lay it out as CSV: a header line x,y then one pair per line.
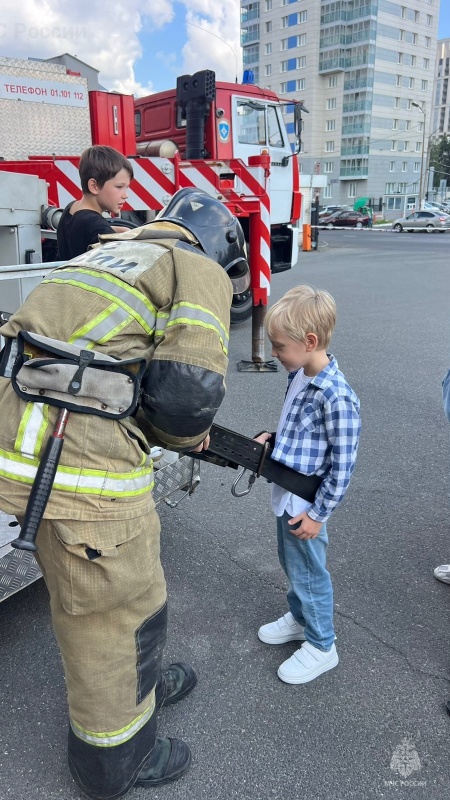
x,y
413,61
417,166
331,125
284,44
391,166
301,62
404,166
401,35
427,41
399,80
418,147
400,58
268,5
301,40
269,27
429,20
396,102
411,83
303,16
405,145
393,143
414,38
329,166
327,192
426,63
403,12
424,86
395,124
389,188
329,146
268,49
407,124
284,22
416,16
273,128
268,70
331,103
332,81
300,85
352,189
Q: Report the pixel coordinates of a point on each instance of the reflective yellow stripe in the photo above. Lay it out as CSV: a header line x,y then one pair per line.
x,y
127,297
113,738
32,428
185,312
81,481
102,328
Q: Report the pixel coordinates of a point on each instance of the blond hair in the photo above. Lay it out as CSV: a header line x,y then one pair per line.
x,y
300,311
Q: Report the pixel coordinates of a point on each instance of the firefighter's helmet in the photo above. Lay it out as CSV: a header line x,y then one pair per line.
x,y
217,230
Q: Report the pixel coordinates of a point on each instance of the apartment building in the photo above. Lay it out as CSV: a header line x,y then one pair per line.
x,y
441,109
364,70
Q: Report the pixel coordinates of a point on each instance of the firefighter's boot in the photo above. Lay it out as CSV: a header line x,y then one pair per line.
x,y
176,682
168,761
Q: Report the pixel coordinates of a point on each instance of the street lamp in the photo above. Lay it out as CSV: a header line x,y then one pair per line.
x,y
417,105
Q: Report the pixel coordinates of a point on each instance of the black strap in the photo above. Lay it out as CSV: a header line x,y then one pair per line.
x,y
230,449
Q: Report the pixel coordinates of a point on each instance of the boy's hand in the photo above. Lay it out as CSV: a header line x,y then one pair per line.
x,y
202,446
308,529
263,437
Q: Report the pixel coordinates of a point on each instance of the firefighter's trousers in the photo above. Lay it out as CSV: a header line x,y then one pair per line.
x,y
108,604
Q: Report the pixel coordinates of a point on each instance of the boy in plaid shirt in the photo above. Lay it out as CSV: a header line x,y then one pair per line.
x,y
317,434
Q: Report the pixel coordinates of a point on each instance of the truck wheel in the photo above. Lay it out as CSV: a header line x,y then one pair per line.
x,y
241,307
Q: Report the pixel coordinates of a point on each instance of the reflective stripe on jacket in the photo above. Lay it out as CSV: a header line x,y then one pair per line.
x,y
126,299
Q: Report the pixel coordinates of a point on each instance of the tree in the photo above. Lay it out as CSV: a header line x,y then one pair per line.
x,y
440,159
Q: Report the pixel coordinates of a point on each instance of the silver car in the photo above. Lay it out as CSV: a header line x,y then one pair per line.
x,y
428,221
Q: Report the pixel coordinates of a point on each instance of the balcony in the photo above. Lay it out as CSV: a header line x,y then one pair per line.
x,y
356,129
249,35
347,173
361,150
361,83
357,105
365,11
331,64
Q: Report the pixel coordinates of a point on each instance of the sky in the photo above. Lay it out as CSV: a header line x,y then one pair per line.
x,y
139,46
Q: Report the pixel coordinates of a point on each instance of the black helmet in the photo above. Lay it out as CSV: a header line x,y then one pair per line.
x,y
217,231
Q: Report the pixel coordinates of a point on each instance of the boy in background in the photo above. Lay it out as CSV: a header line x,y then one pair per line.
x,y
317,434
105,176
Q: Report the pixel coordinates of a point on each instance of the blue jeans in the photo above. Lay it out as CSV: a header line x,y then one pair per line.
x,y
310,594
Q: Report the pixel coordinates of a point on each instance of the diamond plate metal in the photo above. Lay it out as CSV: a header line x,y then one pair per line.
x,y
41,128
18,568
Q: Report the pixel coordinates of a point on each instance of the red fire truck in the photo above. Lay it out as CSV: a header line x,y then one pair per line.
x,y
228,139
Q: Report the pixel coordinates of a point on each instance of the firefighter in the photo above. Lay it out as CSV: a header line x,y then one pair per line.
x,y
159,293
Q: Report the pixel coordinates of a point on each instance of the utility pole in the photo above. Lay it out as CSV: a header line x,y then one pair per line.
x,y
417,105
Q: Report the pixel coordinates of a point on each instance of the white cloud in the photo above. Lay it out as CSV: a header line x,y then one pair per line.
x,y
106,35
214,41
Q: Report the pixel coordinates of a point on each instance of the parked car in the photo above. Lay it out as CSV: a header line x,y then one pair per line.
x,y
346,219
326,211
429,221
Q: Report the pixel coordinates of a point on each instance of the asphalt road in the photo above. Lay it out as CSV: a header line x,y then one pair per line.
x,y
374,727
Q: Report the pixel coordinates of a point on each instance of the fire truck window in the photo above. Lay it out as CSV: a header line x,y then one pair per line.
x,y
251,125
137,123
273,124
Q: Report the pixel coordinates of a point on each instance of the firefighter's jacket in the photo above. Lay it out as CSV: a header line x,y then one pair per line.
x,y
161,300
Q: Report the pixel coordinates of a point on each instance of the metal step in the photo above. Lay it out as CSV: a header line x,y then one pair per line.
x,y
18,568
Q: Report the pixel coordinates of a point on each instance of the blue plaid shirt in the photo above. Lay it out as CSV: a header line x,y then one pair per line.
x,y
320,436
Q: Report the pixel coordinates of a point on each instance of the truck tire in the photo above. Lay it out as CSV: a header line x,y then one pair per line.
x,y
241,307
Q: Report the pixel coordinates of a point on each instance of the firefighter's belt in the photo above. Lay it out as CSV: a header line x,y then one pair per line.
x,y
60,374
230,449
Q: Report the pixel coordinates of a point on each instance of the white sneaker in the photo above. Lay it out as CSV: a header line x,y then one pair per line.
x,y
442,573
307,663
285,629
